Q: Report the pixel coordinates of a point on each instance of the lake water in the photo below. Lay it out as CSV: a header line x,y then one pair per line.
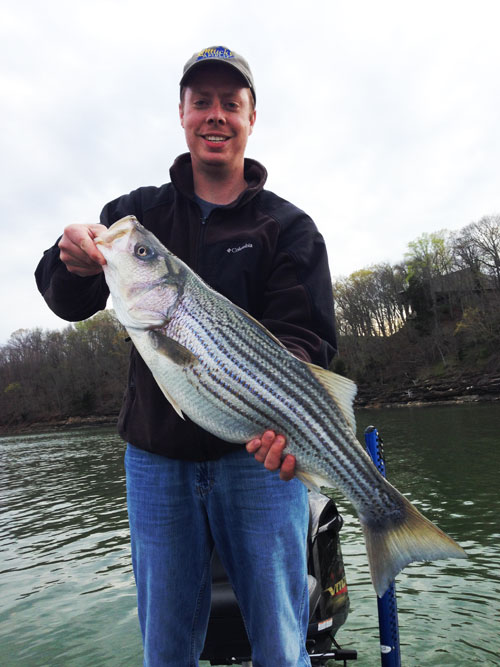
x,y
66,587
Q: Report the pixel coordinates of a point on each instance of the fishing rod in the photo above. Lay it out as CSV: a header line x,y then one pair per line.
x,y
390,654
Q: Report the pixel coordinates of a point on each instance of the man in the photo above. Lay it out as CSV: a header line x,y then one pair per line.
x,y
187,490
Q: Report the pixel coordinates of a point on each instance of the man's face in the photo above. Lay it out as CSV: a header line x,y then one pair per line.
x,y
217,115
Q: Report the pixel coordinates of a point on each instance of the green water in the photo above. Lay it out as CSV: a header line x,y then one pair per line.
x,y
66,588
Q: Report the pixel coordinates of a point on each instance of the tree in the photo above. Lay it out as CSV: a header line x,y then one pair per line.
x,y
428,260
80,370
477,247
369,302
485,237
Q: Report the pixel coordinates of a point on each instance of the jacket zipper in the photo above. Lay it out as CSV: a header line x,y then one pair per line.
x,y
204,221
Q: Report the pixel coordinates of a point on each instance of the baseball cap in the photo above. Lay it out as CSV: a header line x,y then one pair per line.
x,y
223,55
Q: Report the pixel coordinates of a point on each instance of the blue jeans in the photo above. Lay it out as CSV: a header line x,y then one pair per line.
x,y
177,511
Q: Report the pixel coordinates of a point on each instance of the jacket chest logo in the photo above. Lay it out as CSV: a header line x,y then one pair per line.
x,y
239,248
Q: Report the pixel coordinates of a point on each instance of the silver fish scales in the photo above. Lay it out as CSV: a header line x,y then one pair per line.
x,y
223,369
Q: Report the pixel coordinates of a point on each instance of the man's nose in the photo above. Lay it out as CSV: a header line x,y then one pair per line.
x,y
216,114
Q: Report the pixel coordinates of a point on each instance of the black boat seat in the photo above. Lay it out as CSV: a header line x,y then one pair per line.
x,y
226,641
226,634
224,603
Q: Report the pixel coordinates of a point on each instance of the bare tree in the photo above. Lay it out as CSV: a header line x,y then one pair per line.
x,y
80,370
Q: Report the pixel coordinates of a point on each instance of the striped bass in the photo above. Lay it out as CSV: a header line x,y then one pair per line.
x,y
230,375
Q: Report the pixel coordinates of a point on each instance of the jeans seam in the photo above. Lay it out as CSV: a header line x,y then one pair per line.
x,y
193,658
303,650
250,641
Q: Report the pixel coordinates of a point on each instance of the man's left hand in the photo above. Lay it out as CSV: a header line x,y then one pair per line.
x,y
268,449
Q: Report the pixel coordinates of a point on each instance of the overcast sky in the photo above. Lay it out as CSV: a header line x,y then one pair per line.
x,y
380,119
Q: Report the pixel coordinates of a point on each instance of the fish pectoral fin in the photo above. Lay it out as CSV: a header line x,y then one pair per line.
x,y
170,348
312,480
341,389
176,353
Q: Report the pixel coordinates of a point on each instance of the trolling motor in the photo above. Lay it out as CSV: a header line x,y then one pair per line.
x,y
227,642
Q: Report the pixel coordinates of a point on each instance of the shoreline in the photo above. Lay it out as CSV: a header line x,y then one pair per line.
x,y
58,424
459,400
111,420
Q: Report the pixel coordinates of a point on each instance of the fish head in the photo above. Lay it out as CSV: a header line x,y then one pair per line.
x,y
145,279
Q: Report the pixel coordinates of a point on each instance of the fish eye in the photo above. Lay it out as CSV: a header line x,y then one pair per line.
x,y
143,251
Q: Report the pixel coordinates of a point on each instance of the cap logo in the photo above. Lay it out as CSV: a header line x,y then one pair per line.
x,y
215,52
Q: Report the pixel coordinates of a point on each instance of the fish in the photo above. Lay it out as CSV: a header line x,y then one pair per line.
x,y
223,369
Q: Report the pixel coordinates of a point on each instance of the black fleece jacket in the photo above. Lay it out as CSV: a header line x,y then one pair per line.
x,y
261,252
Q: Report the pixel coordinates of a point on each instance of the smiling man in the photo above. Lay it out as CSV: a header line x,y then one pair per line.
x,y
187,490
218,116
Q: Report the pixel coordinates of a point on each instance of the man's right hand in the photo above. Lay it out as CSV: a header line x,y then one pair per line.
x,y
268,450
78,251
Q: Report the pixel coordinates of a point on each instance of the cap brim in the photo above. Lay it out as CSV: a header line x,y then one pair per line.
x,y
210,62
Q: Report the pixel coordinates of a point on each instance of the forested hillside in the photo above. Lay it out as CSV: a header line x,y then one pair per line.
x,y
425,329
50,375
428,327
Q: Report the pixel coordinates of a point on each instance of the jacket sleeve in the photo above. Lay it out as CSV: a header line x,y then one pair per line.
x,y
298,300
69,296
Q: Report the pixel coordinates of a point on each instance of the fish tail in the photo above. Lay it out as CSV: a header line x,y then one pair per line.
x,y
411,538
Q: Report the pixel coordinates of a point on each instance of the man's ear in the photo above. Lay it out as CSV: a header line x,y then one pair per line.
x,y
181,114
253,118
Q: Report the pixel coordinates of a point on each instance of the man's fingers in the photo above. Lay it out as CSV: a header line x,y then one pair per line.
x,y
274,453
89,248
253,445
266,441
78,251
80,264
287,470
268,449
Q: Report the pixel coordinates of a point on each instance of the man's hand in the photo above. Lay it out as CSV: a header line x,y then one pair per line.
x,y
268,449
78,251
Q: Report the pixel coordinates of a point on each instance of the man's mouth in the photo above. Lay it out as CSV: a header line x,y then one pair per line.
x,y
215,138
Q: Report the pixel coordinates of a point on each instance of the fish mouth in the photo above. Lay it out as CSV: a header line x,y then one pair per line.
x,y
116,231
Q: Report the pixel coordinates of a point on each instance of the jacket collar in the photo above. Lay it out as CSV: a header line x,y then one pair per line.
x,y
181,175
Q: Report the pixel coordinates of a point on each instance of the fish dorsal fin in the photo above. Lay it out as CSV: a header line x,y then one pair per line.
x,y
341,389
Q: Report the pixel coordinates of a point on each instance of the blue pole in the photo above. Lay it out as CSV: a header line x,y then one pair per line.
x,y
390,654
